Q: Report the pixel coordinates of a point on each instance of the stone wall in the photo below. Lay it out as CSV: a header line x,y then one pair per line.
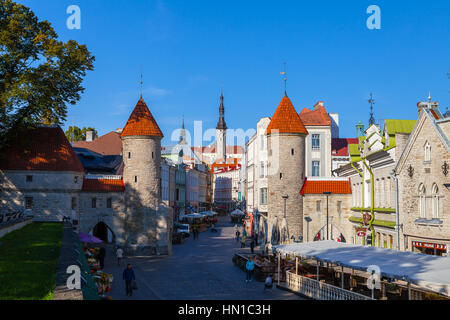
x,y
339,219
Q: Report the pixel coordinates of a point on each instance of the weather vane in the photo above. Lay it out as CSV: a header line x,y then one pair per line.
x,y
141,82
284,78
372,102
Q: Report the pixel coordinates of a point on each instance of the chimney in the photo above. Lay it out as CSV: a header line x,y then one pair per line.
x,y
89,136
317,105
426,105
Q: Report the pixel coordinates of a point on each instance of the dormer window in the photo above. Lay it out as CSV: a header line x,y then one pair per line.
x,y
29,178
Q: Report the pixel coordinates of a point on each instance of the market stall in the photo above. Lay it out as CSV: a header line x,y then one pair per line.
x,y
102,280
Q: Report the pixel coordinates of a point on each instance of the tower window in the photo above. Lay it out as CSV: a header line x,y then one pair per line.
x,y
153,155
28,202
292,152
135,178
94,203
29,178
281,176
129,155
109,203
74,203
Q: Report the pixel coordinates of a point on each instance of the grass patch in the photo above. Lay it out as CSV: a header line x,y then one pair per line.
x,y
28,262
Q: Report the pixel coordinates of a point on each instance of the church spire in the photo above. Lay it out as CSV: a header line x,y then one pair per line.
x,y
221,123
182,133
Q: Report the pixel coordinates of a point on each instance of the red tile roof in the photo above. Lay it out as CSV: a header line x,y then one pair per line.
x,y
43,149
316,117
141,122
321,186
339,146
108,144
103,185
286,119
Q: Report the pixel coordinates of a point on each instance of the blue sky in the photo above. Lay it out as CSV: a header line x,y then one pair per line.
x,y
189,49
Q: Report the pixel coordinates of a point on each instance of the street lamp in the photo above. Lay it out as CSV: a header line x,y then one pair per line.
x,y
285,197
308,220
327,193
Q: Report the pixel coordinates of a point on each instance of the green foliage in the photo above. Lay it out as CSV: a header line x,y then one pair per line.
x,y
39,75
28,262
76,134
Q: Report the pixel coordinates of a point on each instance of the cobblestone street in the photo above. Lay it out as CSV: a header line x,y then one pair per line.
x,y
198,269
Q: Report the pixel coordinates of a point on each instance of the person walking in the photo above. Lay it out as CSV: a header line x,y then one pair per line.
x,y
268,283
129,277
252,245
249,266
119,254
243,241
237,235
101,257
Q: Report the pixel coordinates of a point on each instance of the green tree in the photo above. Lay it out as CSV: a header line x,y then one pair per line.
x,y
73,133
39,75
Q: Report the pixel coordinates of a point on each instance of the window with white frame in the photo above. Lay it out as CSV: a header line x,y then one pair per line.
x,y
263,196
315,138
435,193
315,168
422,201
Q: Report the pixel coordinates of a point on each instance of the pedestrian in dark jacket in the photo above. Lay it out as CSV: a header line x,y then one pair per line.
x,y
101,257
252,245
128,276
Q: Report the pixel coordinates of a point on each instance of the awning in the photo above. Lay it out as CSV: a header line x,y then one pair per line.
x,y
426,271
237,212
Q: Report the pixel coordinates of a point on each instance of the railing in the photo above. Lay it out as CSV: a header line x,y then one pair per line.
x,y
319,290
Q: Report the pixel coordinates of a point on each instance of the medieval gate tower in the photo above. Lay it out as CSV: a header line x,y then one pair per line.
x,y
146,221
286,172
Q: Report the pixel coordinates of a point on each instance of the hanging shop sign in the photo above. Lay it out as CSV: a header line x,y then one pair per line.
x,y
366,218
361,232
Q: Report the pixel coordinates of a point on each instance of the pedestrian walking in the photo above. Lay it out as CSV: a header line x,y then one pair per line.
x,y
129,277
249,266
268,283
243,241
101,257
119,254
237,235
256,239
252,246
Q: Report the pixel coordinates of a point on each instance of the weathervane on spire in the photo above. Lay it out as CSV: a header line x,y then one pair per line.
x,y
284,78
372,102
141,82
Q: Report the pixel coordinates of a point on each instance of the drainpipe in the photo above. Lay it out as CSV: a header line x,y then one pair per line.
x,y
397,216
362,196
371,202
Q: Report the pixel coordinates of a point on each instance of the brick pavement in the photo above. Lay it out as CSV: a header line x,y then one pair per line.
x,y
198,269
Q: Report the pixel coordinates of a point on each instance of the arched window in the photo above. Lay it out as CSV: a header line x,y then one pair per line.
x,y
435,193
427,149
422,201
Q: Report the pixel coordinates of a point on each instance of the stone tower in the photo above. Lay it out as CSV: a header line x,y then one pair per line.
x,y
221,133
141,150
286,172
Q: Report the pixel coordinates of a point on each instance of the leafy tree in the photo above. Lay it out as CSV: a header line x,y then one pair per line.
x,y
76,134
39,75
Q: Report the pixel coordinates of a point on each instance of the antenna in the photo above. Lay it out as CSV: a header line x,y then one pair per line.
x,y
284,79
372,102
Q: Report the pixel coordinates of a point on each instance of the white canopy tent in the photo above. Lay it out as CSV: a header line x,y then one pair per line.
x,y
209,213
194,215
426,271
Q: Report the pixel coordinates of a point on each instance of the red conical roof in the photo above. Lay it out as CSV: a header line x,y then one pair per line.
x,y
286,119
141,122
